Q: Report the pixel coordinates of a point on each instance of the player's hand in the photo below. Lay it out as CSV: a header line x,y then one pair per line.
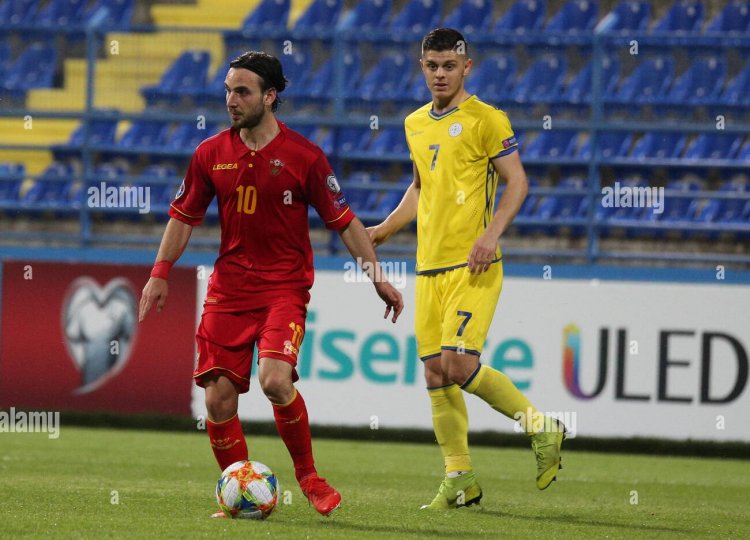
x,y
154,291
392,299
482,254
377,234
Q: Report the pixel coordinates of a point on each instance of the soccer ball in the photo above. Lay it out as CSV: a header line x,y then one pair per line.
x,y
247,489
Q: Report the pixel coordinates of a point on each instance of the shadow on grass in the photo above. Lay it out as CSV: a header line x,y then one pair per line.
x,y
400,532
575,520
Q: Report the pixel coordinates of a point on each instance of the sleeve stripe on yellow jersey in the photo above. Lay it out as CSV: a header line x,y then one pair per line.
x,y
506,152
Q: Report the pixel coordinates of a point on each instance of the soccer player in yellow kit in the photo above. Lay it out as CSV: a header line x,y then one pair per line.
x,y
460,146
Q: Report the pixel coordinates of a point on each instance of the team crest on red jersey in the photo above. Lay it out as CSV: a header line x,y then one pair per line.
x,y
276,165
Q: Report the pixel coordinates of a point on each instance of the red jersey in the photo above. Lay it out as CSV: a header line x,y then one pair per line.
x,y
263,198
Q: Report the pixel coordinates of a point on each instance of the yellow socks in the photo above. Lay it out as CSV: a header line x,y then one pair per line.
x,y
451,424
502,395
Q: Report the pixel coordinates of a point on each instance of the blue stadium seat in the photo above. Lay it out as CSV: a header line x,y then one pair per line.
x,y
683,16
297,70
368,15
611,217
649,81
714,146
744,153
18,12
50,189
574,16
418,91
659,145
734,210
390,141
610,144
385,81
61,13
700,83
522,17
187,136
144,133
470,16
119,13
735,17
321,83
552,143
579,88
186,76
11,176
353,139
34,68
357,189
418,16
268,14
542,81
628,16
157,177
571,206
100,132
5,55
492,80
320,16
677,208
737,91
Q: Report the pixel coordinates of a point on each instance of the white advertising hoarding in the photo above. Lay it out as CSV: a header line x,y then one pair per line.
x,y
611,358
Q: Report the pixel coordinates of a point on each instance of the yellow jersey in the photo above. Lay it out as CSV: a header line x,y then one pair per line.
x,y
452,154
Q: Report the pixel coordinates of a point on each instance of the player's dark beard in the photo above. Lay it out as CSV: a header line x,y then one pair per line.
x,y
251,120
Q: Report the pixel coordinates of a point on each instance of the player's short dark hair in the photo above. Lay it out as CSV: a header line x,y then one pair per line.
x,y
265,66
445,39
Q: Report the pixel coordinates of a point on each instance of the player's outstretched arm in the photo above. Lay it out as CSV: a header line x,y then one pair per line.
x,y
173,243
360,246
510,168
404,214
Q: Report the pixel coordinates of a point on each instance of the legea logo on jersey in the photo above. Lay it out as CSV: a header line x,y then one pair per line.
x,y
572,360
99,329
223,166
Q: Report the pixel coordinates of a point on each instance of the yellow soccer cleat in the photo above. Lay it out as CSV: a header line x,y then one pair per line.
x,y
546,446
454,492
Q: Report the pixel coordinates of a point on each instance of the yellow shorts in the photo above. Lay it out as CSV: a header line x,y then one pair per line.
x,y
454,310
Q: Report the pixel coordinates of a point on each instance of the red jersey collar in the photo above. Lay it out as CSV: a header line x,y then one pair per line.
x,y
242,148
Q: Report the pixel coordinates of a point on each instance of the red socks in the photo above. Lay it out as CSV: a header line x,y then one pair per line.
x,y
227,441
294,428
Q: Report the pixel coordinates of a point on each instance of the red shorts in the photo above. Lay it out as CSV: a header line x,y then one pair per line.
x,y
226,340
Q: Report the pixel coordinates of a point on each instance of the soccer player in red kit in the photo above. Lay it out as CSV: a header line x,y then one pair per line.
x,y
264,176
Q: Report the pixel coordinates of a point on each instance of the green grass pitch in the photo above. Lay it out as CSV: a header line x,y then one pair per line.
x,y
99,483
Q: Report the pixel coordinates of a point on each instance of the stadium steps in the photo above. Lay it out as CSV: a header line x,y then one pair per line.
x,y
44,132
225,14
141,61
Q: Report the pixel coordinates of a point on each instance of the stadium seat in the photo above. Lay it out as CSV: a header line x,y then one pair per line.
x,y
735,17
702,82
677,208
418,91
367,15
744,153
523,16
390,141
683,16
51,187
580,87
574,16
268,14
320,16
187,136
734,210
119,13
18,12
385,80
553,143
144,133
186,76
610,217
610,144
470,16
321,83
357,189
628,16
542,81
100,132
649,81
417,16
570,206
714,146
659,145
297,70
737,91
353,139
11,176
492,79
61,13
34,68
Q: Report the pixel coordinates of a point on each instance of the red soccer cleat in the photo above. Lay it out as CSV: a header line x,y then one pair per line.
x,y
323,497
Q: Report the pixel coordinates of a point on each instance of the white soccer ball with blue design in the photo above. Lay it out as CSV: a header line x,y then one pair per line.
x,y
247,490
